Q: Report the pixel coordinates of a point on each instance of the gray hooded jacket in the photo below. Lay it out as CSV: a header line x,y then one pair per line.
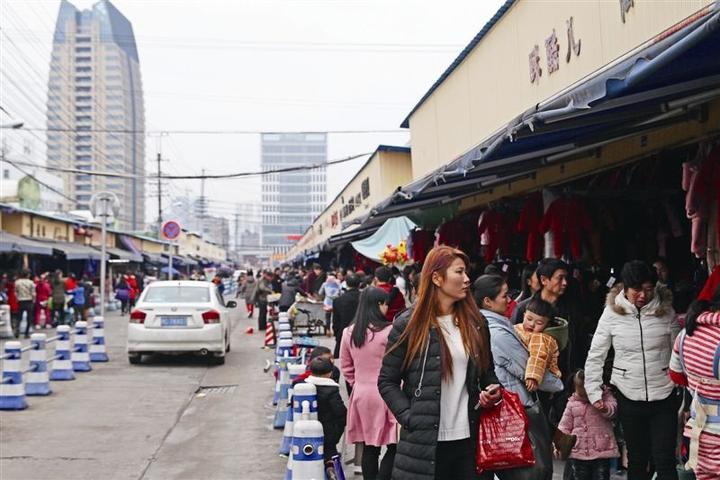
x,y
510,356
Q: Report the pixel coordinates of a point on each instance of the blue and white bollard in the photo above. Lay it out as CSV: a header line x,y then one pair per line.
x,y
62,365
284,349
98,353
12,389
286,440
80,356
285,385
307,451
38,378
294,370
305,401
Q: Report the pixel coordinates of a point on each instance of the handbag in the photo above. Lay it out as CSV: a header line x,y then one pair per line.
x,y
503,440
122,294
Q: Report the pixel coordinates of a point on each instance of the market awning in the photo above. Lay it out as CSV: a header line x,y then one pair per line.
x,y
76,251
123,254
10,243
128,243
155,258
665,82
392,232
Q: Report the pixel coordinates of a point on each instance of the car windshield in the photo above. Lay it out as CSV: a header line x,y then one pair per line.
x,y
174,294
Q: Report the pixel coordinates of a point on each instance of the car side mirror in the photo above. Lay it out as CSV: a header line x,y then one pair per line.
x,y
231,304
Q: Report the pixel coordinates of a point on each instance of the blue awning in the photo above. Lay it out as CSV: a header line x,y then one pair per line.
x,y
664,83
10,243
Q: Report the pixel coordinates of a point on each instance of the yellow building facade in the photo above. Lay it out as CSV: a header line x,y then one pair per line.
x,y
387,169
534,52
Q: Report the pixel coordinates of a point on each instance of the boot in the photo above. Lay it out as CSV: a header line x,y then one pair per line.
x,y
564,443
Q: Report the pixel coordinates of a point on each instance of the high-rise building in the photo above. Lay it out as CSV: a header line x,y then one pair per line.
x,y
95,111
291,200
216,230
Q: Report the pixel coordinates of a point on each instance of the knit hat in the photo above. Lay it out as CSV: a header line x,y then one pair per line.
x,y
711,286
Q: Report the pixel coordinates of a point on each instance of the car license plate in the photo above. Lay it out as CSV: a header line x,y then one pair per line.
x,y
173,321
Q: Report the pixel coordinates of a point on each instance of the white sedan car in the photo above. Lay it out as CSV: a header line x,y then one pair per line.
x,y
177,317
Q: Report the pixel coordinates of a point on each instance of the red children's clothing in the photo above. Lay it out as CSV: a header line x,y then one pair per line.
x,y
567,219
529,222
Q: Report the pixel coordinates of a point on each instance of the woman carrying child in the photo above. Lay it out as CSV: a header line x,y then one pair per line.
x,y
511,358
361,352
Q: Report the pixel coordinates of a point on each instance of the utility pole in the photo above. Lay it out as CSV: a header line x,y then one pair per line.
x,y
159,187
237,226
202,207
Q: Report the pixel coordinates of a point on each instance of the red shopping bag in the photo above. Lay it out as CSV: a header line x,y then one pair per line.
x,y
503,440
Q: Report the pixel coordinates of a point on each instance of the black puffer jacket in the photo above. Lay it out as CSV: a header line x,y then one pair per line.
x,y
420,416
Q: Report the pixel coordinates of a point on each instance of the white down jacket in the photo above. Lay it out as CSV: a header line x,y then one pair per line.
x,y
643,343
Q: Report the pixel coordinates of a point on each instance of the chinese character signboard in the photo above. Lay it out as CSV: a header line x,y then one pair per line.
x,y
552,53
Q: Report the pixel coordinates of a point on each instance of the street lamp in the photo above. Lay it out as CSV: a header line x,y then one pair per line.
x,y
105,206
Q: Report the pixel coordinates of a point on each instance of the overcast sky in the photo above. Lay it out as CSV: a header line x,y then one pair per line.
x,y
262,65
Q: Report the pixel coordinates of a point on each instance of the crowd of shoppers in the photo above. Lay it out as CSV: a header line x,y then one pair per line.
x,y
425,353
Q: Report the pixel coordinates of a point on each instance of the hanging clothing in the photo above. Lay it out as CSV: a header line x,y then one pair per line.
x,y
422,242
529,222
450,234
567,219
701,181
491,225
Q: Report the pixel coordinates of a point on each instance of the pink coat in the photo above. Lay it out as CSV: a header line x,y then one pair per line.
x,y
369,419
594,430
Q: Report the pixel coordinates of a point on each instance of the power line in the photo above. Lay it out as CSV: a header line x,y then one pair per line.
x,y
203,176
52,189
217,132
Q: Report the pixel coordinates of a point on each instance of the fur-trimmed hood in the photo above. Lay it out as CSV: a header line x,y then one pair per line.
x,y
659,306
321,381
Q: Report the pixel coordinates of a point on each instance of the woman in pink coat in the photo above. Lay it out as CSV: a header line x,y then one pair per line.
x,y
361,352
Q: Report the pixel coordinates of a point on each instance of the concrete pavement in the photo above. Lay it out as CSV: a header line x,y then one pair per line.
x,y
150,421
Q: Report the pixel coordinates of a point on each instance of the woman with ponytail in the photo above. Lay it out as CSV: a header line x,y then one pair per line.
x,y
437,372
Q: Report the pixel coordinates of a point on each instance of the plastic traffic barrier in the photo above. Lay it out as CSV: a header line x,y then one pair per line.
x,y
38,378
62,368
98,352
305,393
285,385
286,441
307,450
80,356
12,389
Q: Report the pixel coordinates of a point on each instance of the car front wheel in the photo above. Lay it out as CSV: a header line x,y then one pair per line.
x,y
134,358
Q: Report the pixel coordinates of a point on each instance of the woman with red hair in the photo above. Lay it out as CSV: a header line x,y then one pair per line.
x,y
437,371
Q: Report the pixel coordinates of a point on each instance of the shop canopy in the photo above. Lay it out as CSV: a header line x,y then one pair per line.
x,y
121,254
664,82
10,243
393,231
180,260
76,251
155,258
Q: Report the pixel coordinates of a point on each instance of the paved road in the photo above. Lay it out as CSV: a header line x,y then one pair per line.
x,y
149,421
